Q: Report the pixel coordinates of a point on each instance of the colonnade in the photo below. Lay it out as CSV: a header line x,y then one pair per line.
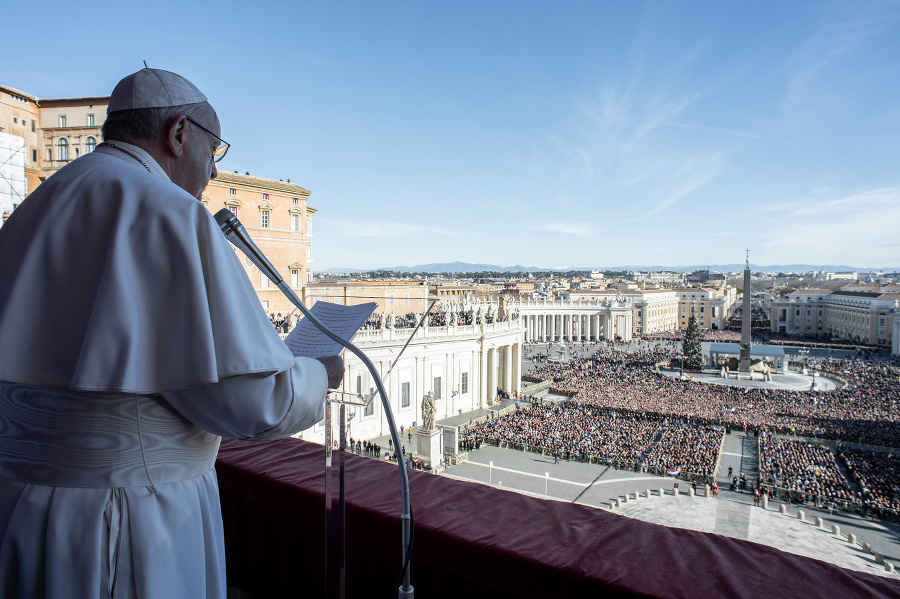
x,y
566,327
503,369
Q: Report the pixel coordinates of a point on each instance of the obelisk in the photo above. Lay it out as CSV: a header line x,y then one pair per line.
x,y
745,321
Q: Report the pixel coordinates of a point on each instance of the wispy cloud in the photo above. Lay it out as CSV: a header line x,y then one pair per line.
x,y
316,61
383,228
576,228
695,175
719,129
859,228
842,33
629,141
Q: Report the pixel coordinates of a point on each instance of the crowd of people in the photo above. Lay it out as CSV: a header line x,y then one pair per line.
x,y
624,440
878,476
807,471
866,411
694,449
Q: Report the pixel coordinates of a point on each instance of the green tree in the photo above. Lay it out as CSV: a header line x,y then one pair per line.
x,y
691,352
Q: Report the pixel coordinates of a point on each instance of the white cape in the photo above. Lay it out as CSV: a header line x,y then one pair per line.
x,y
114,279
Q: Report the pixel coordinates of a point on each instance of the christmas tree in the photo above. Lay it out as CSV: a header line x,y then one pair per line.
x,y
692,353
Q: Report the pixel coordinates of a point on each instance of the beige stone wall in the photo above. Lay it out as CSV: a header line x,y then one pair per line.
x,y
277,216
76,131
20,116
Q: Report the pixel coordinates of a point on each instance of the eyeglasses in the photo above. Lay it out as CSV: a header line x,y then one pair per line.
x,y
218,153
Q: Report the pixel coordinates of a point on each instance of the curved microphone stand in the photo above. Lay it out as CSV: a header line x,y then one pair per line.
x,y
237,235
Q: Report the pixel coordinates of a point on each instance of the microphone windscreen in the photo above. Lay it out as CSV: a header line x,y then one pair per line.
x,y
223,216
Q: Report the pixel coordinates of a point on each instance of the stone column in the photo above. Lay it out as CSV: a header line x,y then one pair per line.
x,y
507,378
517,366
483,381
495,370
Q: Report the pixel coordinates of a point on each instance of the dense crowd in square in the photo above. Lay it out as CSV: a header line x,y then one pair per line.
x,y
866,411
805,468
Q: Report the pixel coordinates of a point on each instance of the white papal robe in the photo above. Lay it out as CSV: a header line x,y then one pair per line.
x,y
131,341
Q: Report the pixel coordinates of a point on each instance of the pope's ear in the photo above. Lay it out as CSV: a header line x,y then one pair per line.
x,y
176,133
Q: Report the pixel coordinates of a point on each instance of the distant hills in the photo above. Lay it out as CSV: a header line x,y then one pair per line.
x,y
458,267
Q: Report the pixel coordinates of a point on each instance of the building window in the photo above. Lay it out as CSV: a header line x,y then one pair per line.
x,y
265,196
263,280
16,121
404,395
295,201
33,125
437,388
421,298
232,192
49,154
405,299
90,145
62,150
369,410
34,155
295,222
464,383
264,220
90,120
295,277
391,299
265,304
62,120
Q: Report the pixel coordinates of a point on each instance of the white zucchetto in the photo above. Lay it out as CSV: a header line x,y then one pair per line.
x,y
153,88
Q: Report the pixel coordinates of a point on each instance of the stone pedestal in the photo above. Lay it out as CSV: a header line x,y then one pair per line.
x,y
428,446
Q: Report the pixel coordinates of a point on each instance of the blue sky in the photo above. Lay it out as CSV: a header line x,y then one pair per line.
x,y
538,133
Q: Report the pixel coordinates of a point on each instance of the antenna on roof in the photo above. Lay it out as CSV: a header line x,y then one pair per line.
x,y
145,65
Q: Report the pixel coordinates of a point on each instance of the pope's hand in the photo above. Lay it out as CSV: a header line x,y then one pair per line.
x,y
334,366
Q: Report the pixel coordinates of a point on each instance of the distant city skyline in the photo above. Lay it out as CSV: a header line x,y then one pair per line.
x,y
534,133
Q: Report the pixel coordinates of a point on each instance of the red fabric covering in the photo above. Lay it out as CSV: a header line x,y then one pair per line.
x,y
472,540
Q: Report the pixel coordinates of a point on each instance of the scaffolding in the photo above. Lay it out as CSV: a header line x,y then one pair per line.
x,y
12,174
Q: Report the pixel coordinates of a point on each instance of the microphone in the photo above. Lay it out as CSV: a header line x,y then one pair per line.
x,y
237,235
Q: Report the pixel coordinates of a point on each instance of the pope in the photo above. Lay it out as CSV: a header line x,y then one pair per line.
x,y
131,342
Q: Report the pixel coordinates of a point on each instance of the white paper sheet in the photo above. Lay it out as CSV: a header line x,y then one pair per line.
x,y
308,341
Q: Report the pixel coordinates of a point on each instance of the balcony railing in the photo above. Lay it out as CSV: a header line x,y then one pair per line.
x,y
474,540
